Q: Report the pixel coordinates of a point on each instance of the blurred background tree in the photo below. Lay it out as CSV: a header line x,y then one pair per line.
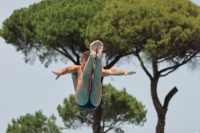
x,y
51,29
163,35
54,30
34,123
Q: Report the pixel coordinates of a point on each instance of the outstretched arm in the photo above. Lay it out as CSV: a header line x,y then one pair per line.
x,y
116,72
69,69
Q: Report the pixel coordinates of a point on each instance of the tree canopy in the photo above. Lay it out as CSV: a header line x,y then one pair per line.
x,y
160,30
34,123
51,29
56,30
157,32
118,107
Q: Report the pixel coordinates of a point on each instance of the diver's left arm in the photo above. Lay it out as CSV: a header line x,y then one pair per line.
x,y
116,72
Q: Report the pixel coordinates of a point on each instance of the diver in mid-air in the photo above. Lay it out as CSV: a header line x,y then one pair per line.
x,y
87,76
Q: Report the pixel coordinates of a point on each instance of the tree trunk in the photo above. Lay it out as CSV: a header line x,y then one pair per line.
x,y
161,123
161,110
96,125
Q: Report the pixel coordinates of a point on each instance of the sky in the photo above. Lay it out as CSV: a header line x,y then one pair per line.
x,y
26,88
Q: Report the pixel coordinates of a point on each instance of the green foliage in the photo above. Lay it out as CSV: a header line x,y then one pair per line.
x,y
50,29
118,107
156,32
60,29
37,123
160,29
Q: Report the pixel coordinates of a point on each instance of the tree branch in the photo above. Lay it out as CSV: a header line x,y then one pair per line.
x,y
59,51
65,53
112,63
162,60
108,60
68,55
163,75
169,96
77,55
110,128
187,58
165,58
143,67
83,119
113,124
119,124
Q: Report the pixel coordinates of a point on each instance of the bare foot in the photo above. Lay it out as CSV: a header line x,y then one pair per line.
x,y
96,48
99,52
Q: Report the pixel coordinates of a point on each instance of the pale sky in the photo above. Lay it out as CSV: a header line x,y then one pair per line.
x,y
26,88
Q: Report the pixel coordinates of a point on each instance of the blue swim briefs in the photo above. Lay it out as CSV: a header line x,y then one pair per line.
x,y
87,106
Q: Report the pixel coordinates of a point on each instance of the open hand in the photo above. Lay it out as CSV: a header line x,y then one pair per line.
x,y
129,73
56,73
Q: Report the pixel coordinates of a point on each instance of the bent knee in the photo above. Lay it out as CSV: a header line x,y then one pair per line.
x,y
95,103
81,99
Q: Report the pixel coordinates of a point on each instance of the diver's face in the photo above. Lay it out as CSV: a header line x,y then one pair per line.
x,y
83,62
